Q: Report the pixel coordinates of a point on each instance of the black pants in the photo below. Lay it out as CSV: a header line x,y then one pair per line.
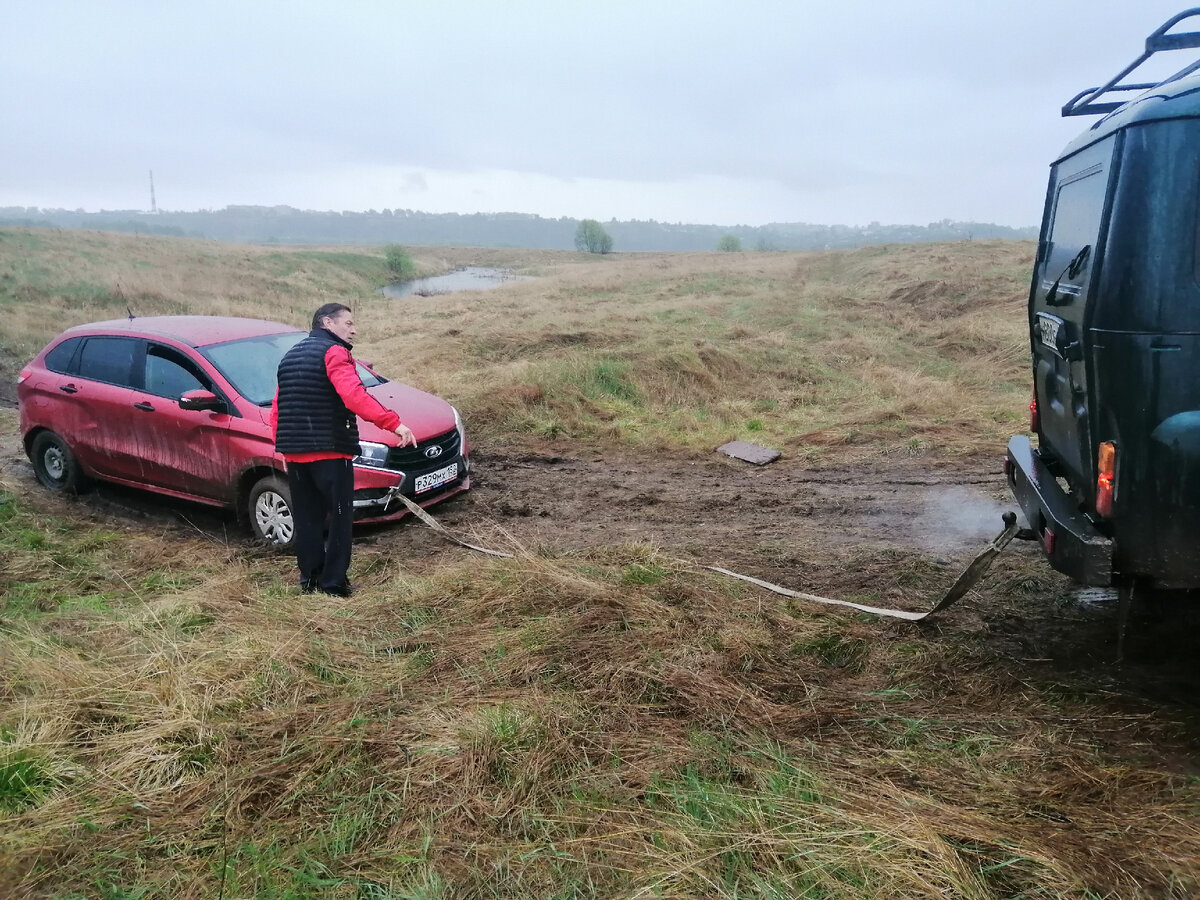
x,y
323,511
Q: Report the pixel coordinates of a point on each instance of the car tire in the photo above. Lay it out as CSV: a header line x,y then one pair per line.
x,y
55,464
270,512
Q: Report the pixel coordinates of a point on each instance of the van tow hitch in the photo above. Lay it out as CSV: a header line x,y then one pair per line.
x,y
968,579
980,564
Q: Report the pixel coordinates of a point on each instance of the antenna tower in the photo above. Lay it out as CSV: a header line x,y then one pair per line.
x,y
153,205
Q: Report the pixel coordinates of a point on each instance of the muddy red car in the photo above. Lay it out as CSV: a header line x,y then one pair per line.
x,y
180,405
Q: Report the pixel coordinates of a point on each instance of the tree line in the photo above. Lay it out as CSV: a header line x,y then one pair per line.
x,y
285,224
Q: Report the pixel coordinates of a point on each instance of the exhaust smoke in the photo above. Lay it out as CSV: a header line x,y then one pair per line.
x,y
957,517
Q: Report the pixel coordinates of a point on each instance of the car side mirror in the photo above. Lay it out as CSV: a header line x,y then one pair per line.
x,y
201,400
366,362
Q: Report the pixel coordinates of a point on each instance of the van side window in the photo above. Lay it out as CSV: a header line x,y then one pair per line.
x,y
1196,248
108,359
1077,211
168,374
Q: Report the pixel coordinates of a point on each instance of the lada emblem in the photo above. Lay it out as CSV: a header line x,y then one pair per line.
x,y
433,452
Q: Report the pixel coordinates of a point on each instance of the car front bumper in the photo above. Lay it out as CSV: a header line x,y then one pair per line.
x,y
375,490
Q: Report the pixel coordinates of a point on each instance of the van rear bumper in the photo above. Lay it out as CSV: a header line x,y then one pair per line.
x,y
1069,539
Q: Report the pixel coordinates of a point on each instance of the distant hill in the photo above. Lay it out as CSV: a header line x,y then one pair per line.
x,y
286,225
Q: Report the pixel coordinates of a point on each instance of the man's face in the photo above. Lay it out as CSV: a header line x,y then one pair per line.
x,y
342,325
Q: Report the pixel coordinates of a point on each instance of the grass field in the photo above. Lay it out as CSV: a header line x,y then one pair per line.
x,y
177,721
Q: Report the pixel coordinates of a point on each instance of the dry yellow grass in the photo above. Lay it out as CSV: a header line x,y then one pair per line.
x,y
906,347
903,348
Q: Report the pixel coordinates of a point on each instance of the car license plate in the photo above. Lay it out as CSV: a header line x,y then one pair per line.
x,y
1049,331
431,480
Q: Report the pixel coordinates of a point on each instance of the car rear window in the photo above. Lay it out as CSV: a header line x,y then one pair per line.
x,y
1077,217
108,359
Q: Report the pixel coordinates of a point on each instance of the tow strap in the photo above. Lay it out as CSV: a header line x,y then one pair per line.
x,y
967,580
440,529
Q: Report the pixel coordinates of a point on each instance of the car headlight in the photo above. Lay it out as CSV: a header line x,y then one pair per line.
x,y
462,440
372,454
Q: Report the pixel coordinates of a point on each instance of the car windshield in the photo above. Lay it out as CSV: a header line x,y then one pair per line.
x,y
251,364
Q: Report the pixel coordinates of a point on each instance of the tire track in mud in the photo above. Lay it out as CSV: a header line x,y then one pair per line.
x,y
714,506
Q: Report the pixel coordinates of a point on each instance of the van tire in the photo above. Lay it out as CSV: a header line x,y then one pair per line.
x,y
55,464
269,509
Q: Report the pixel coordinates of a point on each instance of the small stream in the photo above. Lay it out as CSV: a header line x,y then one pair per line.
x,y
468,278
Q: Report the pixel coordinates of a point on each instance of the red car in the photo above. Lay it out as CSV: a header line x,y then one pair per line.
x,y
181,405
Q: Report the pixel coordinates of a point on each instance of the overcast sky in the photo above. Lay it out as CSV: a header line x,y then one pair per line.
x,y
746,112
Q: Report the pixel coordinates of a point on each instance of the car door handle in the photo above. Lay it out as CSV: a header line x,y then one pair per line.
x,y
148,407
68,389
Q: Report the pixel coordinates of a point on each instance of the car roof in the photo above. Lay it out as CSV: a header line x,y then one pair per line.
x,y
197,331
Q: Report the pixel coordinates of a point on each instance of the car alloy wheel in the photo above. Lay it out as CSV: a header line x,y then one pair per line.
x,y
271,513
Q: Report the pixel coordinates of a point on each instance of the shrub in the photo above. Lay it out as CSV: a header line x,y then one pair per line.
x,y
591,236
731,243
399,262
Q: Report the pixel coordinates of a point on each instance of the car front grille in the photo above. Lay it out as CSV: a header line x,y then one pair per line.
x,y
406,459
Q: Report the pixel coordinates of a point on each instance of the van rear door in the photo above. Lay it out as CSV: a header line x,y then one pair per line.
x,y
1068,258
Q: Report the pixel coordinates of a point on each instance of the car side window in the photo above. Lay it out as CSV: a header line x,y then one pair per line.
x,y
169,374
62,358
108,359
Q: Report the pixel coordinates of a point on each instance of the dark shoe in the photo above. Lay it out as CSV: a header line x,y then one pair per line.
x,y
307,587
341,590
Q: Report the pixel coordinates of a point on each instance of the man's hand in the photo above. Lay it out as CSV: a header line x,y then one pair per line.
x,y
406,436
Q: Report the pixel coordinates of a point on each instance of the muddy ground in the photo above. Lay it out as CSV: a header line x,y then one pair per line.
x,y
886,531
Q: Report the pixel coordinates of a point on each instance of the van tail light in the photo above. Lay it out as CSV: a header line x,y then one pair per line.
x,y
25,373
1106,477
1034,421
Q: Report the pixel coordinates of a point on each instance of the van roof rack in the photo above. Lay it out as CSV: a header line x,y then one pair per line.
x,y
1085,103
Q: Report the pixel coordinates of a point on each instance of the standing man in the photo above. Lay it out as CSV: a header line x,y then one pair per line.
x,y
318,398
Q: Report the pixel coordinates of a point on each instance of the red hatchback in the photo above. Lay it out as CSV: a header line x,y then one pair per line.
x,y
181,405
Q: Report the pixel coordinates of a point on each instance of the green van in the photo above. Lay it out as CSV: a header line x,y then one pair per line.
x,y
1112,487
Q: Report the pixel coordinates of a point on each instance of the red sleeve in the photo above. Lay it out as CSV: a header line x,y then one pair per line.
x,y
344,376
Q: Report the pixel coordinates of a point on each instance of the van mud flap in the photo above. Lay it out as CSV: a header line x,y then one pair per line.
x,y
967,580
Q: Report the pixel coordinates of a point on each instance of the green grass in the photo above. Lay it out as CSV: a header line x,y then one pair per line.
x,y
367,266
25,779
835,650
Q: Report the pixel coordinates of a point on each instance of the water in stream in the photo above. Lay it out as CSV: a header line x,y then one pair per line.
x,y
469,278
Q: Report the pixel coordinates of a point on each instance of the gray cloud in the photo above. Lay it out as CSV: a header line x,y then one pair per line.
x,y
925,106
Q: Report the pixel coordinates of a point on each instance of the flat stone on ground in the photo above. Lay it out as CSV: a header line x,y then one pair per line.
x,y
751,453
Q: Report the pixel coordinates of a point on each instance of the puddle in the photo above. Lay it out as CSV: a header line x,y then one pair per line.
x,y
1090,596
469,278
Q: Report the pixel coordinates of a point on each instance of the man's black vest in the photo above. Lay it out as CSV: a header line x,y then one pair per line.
x,y
312,417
